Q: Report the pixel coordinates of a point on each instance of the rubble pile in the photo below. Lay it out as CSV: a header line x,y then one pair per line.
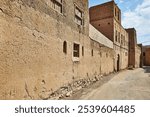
x,y
70,88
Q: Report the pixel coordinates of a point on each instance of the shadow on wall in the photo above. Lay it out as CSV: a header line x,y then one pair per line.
x,y
147,69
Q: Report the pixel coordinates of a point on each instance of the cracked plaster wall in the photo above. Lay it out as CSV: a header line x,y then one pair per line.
x,y
31,39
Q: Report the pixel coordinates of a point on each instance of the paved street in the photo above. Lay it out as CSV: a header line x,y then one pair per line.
x,y
129,84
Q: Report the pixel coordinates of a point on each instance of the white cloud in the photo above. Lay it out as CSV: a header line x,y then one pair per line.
x,y
140,19
121,1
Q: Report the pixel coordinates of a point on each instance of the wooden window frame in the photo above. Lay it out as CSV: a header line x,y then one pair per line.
x,y
77,17
58,3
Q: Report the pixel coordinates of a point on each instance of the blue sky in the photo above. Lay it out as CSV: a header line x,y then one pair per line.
x,y
135,13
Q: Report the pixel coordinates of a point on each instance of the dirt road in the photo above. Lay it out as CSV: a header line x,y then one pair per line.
x,y
127,85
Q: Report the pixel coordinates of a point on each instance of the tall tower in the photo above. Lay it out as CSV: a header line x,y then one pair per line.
x,y
106,18
102,18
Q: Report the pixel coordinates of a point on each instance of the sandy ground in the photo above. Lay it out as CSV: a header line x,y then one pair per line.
x,y
126,85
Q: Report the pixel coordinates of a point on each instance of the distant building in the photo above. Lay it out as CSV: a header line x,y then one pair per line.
x,y
146,55
141,58
134,49
107,19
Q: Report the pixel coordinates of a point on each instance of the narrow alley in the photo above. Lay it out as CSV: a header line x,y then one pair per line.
x,y
126,85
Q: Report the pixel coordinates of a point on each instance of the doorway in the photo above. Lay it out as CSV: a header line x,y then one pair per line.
x,y
118,62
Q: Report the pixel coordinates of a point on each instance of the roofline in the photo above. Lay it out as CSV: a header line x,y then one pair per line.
x,y
112,1
102,4
131,29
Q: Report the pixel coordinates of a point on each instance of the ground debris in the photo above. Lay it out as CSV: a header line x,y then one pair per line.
x,y
69,89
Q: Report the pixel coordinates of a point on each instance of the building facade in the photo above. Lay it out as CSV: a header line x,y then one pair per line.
x,y
146,55
107,19
134,49
102,52
141,57
46,44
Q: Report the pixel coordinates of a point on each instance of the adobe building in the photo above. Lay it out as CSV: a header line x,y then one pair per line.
x,y
107,19
45,44
141,56
102,52
134,49
146,55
